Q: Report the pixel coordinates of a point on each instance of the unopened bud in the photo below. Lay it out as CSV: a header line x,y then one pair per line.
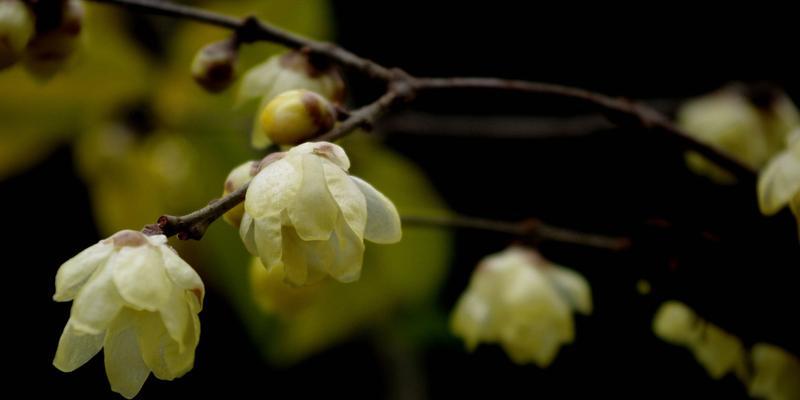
x,y
16,30
50,49
236,178
214,66
295,117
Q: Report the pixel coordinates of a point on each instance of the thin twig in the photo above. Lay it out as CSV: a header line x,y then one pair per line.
x,y
400,86
529,229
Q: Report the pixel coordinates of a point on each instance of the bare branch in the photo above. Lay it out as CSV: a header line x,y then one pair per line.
x,y
528,229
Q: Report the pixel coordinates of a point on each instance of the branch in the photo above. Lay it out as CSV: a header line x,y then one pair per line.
x,y
400,86
528,229
619,110
195,224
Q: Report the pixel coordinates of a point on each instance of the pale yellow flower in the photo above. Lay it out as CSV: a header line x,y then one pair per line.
x,y
279,74
137,299
306,213
524,303
777,373
296,116
716,350
731,122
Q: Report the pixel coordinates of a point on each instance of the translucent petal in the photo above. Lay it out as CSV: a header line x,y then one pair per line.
x,y
383,221
294,259
161,353
125,367
259,139
97,303
76,348
247,233
779,182
347,253
268,240
313,212
572,286
258,80
181,273
348,196
175,316
74,273
140,277
272,189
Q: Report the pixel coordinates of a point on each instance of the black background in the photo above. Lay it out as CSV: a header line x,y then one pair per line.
x,y
610,182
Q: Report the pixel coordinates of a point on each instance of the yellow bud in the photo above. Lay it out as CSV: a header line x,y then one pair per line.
x,y
214,66
236,178
50,50
296,116
16,30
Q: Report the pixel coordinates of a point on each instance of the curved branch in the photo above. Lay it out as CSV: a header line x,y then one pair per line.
x,y
528,229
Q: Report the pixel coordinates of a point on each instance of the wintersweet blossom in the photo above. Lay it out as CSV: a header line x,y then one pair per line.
x,y
304,212
137,299
523,302
716,350
16,30
290,71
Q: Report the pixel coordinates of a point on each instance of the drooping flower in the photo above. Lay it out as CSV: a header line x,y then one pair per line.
x,y
523,302
290,71
303,211
137,299
716,350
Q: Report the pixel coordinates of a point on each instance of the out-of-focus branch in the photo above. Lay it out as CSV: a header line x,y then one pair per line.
x,y
527,229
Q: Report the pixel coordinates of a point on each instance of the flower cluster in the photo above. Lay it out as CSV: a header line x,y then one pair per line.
x,y
525,303
304,212
43,35
768,371
137,299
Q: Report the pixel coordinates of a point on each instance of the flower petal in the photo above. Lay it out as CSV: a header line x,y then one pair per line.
x,y
267,237
779,181
161,353
472,314
181,273
258,80
74,273
348,196
272,189
76,348
572,287
383,221
313,212
125,368
347,253
294,259
97,303
175,316
140,277
247,233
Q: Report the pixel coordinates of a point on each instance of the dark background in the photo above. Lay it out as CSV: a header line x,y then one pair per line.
x,y
613,182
